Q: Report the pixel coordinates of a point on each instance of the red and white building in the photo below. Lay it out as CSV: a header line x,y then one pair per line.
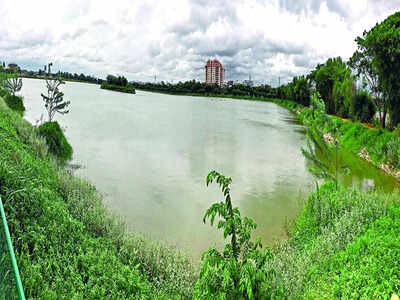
x,y
215,73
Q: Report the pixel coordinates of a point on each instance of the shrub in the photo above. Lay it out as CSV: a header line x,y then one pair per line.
x,y
3,92
15,103
393,151
56,141
124,89
364,108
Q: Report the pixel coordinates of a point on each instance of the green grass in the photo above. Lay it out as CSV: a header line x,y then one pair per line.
x,y
8,287
67,245
345,244
366,268
323,258
382,146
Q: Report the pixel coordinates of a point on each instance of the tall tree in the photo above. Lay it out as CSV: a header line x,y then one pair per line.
x,y
363,62
325,76
382,43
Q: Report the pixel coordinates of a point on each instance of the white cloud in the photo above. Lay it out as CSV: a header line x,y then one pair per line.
x,y
173,39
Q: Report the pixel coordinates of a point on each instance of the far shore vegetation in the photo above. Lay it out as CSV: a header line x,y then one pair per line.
x,y
119,84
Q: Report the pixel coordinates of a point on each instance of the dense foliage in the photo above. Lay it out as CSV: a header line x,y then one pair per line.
x,y
10,84
382,43
64,75
118,83
118,88
117,80
15,103
56,140
79,77
364,108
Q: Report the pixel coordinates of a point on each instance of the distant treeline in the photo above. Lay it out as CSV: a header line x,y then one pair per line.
x,y
196,87
333,80
80,77
118,83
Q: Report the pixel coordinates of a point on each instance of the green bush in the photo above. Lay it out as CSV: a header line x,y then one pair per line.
x,y
15,103
56,141
113,87
364,108
3,92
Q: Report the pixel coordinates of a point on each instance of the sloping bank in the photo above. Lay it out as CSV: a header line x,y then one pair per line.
x,y
67,245
377,146
345,244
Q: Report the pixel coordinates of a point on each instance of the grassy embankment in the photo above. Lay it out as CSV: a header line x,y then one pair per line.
x,y
378,146
118,88
67,245
345,244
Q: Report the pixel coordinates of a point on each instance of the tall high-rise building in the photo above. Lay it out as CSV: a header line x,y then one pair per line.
x,y
215,73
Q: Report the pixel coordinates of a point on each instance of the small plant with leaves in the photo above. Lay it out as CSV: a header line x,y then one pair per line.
x,y
239,271
13,84
54,101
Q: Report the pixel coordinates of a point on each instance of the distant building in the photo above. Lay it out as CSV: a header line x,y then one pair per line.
x,y
249,82
215,73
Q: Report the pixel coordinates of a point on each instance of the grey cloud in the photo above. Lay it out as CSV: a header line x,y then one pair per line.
x,y
312,6
74,35
24,41
203,14
299,6
100,22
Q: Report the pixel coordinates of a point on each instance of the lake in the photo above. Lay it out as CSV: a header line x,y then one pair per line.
x,y
148,154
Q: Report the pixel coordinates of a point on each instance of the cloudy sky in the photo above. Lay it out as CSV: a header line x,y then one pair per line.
x,y
173,39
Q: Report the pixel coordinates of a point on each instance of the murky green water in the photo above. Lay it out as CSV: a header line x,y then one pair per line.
x,y
149,154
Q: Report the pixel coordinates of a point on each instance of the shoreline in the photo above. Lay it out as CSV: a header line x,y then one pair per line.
x,y
64,79
297,109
